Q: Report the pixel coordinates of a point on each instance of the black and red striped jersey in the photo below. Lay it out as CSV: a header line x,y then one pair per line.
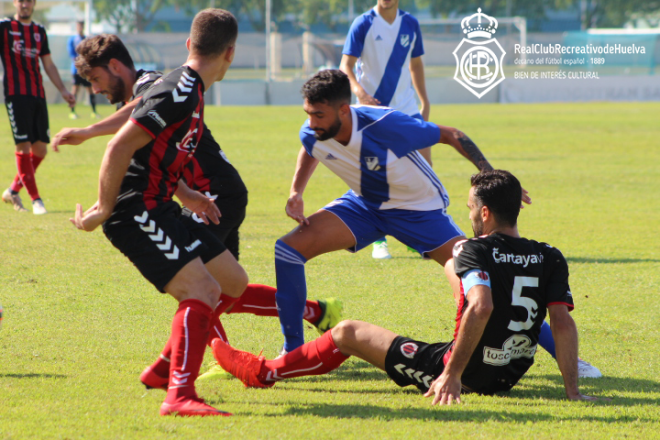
x,y
525,277
171,112
22,45
209,171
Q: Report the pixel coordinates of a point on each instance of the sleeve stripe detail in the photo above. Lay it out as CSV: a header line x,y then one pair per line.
x,y
570,306
153,136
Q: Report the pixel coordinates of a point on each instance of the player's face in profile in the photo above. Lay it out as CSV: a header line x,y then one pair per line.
x,y
475,215
106,83
323,119
24,8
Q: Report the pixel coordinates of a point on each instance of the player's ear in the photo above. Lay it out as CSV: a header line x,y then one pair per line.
x,y
113,66
485,213
345,109
188,44
229,53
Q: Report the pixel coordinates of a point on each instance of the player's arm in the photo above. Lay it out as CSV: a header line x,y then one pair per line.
x,y
464,145
107,126
305,166
53,74
116,160
564,332
203,206
447,386
347,66
419,83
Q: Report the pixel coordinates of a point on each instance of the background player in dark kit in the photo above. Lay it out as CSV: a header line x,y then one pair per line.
x,y
506,285
23,42
139,175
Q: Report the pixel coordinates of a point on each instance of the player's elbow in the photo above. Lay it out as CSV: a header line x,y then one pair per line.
x,y
449,135
483,310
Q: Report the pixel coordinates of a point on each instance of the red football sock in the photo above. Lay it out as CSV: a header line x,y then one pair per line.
x,y
260,300
17,185
316,357
217,331
26,174
190,331
224,303
162,366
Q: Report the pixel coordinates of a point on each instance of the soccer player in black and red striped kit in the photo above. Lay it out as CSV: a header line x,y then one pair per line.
x,y
140,173
106,62
507,284
22,43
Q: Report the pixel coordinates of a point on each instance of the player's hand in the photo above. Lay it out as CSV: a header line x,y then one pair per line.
x,y
69,98
366,99
69,136
525,198
446,389
295,208
204,207
89,220
579,396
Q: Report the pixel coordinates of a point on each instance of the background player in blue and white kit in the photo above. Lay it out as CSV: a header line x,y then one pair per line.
x,y
501,309
386,45
79,81
393,191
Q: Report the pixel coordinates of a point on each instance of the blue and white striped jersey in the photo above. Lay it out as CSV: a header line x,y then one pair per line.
x,y
381,162
384,51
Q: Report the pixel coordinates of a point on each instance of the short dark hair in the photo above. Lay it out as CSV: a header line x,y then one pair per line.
x,y
212,32
97,51
327,86
501,192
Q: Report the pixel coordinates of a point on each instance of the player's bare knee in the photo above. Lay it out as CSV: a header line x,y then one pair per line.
x,y
344,336
237,285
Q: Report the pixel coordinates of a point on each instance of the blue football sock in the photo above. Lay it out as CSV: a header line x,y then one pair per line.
x,y
546,340
291,293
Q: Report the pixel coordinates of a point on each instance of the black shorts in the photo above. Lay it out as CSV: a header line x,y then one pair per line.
x,y
410,362
80,81
28,117
233,214
157,242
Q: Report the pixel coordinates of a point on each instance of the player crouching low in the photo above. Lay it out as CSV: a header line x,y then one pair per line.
x,y
502,306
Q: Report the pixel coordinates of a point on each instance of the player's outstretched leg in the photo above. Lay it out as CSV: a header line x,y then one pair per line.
x,y
316,357
260,300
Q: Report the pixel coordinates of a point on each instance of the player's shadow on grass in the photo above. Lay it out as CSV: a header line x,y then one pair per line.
x,y
604,387
456,413
611,260
33,376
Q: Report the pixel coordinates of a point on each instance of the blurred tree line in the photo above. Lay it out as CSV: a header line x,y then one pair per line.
x,y
130,15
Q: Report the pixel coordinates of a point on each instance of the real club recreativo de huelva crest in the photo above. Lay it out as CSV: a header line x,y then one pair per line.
x,y
479,63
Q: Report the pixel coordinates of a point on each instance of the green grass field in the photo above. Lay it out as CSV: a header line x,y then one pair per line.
x,y
81,323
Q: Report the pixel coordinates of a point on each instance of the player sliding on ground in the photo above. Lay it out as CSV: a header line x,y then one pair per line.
x,y
374,150
141,168
502,305
106,62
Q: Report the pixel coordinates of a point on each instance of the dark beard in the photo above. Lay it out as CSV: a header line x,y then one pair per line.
x,y
478,229
331,132
116,90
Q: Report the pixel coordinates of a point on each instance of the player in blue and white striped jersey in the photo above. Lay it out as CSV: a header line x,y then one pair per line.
x,y
393,190
384,46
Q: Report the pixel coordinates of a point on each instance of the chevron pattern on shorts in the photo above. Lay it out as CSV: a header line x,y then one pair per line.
x,y
162,241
